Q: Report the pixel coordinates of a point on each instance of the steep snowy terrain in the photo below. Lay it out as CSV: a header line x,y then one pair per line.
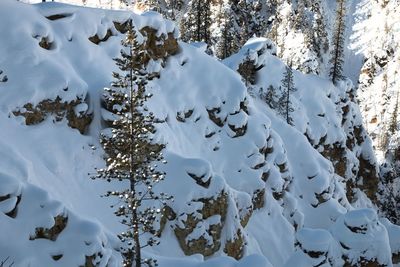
x,y
376,37
246,184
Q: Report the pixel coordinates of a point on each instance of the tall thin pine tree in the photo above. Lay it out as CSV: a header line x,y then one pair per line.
x,y
337,54
393,120
286,107
130,153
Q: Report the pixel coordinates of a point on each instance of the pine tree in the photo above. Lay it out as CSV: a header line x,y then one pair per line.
x,y
173,9
288,87
337,54
153,5
226,37
130,153
259,19
195,26
299,15
393,120
270,97
241,13
320,39
3,78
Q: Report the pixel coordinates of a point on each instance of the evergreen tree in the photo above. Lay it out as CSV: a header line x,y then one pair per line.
x,y
288,87
225,36
390,192
173,9
154,5
270,97
299,15
249,18
338,43
195,26
393,120
259,19
3,78
320,35
130,153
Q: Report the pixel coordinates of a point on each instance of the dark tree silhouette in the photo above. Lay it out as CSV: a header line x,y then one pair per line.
x,y
337,53
285,107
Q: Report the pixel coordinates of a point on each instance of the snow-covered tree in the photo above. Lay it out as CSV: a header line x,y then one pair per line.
x,y
195,25
320,36
224,33
285,107
173,9
130,153
154,5
390,192
249,17
270,97
393,121
337,54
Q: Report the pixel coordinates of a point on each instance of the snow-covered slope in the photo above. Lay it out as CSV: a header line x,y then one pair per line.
x,y
246,184
376,37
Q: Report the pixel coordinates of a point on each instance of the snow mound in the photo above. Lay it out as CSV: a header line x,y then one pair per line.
x,y
38,231
363,238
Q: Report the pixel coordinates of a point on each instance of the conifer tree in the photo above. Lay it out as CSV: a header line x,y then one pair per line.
x,y
393,120
195,26
248,17
288,87
270,97
337,54
226,37
320,39
173,9
130,153
153,5
299,15
259,19
3,78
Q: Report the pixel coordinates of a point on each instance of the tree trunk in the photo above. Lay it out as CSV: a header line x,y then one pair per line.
x,y
198,21
134,219
287,104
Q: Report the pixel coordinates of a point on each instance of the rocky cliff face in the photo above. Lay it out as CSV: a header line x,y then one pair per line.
x,y
244,181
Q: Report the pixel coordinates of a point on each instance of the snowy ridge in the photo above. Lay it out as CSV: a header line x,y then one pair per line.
x,y
325,114
246,184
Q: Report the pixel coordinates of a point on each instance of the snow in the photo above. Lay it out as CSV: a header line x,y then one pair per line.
x,y
50,164
314,240
372,240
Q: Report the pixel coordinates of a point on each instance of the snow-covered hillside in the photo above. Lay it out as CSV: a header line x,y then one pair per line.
x,y
376,37
250,190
